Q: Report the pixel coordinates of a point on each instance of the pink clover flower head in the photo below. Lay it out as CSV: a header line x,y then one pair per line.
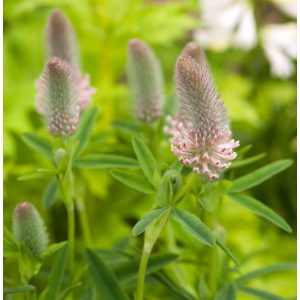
x,y
61,42
201,136
57,99
145,81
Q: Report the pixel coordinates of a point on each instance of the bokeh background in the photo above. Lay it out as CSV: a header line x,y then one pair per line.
x,y
251,48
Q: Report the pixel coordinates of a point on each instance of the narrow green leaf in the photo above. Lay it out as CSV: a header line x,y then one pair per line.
x,y
56,276
84,130
104,161
129,270
267,270
247,161
65,293
53,249
260,209
145,158
147,219
194,226
203,290
103,279
133,180
227,292
260,175
227,251
243,150
19,289
50,193
10,245
38,144
31,176
127,127
260,294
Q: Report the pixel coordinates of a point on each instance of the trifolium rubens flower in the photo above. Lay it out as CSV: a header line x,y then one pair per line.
x,y
201,136
29,228
145,81
61,45
58,92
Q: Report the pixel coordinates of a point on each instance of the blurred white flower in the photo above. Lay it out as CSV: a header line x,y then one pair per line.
x,y
279,43
231,23
226,23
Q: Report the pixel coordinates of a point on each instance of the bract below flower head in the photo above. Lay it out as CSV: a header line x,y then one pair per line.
x,y
58,94
201,135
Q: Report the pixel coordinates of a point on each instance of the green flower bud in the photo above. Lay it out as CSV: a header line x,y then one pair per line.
x,y
59,155
29,228
175,179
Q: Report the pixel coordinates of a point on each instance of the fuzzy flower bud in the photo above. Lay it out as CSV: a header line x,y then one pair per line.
x,y
194,50
145,80
201,135
61,42
58,94
29,228
61,39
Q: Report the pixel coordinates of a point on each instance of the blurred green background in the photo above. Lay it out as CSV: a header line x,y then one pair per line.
x,y
262,109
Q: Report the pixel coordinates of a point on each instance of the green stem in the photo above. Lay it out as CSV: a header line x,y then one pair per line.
x,y
142,274
71,236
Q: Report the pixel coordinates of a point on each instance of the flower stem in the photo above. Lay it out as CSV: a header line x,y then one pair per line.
x,y
141,275
71,236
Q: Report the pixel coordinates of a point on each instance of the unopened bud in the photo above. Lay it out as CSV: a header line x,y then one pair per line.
x,y
145,80
29,228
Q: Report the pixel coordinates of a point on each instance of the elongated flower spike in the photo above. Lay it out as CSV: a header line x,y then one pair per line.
x,y
29,228
201,134
58,93
145,80
61,42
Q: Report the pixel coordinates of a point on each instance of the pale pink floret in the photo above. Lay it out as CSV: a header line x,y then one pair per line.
x,y
207,157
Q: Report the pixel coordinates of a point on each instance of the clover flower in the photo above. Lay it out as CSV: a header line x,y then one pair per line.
x,y
145,80
201,134
58,93
61,42
29,228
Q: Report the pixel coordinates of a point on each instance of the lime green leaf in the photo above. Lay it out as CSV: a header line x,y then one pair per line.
x,y
260,209
203,290
260,294
10,245
50,193
260,175
227,292
194,226
56,276
133,180
53,249
129,270
267,270
65,293
127,127
146,160
38,144
227,251
84,130
104,161
31,176
247,161
243,150
147,219
19,289
105,282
